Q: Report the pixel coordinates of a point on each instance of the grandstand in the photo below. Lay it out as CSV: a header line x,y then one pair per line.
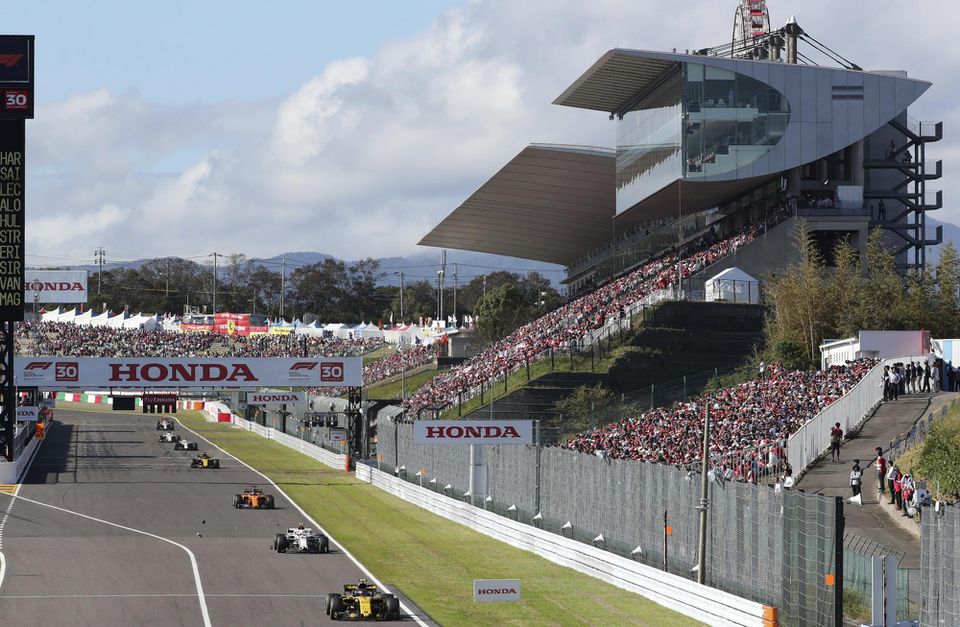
x,y
710,143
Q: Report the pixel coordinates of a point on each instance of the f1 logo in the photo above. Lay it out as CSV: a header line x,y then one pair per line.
x,y
303,365
38,365
331,372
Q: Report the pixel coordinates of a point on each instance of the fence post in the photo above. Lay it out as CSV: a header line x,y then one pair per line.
x,y
506,375
665,528
528,370
838,550
684,387
651,397
481,393
553,363
571,358
591,359
460,403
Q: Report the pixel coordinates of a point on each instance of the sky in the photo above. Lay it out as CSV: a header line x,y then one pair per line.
x,y
184,128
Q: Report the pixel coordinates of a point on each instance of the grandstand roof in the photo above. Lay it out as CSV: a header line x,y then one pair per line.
x,y
616,78
549,203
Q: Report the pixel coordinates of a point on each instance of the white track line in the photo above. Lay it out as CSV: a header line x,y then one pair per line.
x,y
380,585
193,558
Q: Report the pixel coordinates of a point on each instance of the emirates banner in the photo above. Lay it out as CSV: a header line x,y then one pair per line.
x,y
93,373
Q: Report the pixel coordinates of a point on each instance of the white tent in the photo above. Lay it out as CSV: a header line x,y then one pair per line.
x,y
733,285
312,329
51,316
100,321
140,321
84,318
116,322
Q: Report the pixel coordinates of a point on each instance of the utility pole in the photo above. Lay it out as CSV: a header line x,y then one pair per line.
x,y
400,274
166,273
215,283
440,281
704,497
484,286
455,323
98,259
283,282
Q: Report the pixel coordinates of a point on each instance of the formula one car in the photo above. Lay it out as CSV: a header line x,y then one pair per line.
x,y
253,498
203,460
167,437
165,424
300,540
184,445
362,602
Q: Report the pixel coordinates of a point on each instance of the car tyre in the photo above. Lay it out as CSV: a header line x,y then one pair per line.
x,y
269,501
280,543
237,501
324,545
393,607
329,603
215,463
335,606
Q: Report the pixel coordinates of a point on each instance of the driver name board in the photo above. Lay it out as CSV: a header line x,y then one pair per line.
x,y
11,218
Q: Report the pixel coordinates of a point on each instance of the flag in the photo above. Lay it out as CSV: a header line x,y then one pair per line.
x,y
391,318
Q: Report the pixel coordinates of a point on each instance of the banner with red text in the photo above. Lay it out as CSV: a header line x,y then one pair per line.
x,y
473,432
93,373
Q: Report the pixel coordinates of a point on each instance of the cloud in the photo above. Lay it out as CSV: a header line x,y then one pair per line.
x,y
371,152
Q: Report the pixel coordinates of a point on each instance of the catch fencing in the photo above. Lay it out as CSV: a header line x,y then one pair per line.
x,y
940,568
775,548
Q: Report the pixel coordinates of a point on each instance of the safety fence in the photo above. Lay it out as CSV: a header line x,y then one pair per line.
x,y
858,554
940,567
919,431
774,547
851,410
707,604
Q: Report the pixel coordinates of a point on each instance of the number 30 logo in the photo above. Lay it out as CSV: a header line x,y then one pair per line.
x,y
331,372
15,100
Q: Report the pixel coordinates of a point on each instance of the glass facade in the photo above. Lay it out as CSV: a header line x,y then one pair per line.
x,y
699,123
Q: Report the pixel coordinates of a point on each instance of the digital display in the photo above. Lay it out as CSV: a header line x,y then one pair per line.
x,y
16,76
11,219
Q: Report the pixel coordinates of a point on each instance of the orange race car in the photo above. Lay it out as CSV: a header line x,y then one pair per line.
x,y
253,498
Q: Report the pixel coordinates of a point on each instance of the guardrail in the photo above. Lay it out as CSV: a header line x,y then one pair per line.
x,y
334,460
687,597
813,438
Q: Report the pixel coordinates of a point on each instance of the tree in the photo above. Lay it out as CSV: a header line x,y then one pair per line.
x,y
948,292
585,408
501,312
419,301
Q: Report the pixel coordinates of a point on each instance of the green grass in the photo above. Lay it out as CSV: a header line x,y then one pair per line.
x,y
412,380
430,559
937,459
518,379
373,356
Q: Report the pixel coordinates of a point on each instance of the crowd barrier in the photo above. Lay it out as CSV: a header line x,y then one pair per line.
x,y
11,472
687,597
813,438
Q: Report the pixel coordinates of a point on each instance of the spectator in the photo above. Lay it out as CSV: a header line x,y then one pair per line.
x,y
836,438
856,476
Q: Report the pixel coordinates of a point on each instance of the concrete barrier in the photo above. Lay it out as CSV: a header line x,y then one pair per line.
x,y
334,460
12,472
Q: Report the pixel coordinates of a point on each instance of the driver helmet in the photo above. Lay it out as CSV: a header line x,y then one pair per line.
x,y
300,526
362,584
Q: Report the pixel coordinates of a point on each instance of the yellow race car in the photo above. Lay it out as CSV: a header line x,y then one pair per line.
x,y
204,461
362,601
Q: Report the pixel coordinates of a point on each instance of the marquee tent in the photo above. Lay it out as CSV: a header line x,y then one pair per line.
x,y
733,285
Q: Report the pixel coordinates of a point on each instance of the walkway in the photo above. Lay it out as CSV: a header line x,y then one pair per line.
x,y
833,479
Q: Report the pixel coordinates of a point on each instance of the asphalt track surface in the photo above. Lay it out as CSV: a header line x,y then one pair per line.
x,y
64,569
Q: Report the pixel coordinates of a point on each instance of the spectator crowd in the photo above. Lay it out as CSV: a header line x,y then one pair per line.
x,y
750,423
568,325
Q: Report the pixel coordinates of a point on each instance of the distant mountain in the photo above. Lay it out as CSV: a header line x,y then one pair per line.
x,y
951,233
416,267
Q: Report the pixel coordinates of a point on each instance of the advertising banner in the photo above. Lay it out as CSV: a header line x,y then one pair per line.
x,y
496,590
275,400
55,286
27,413
193,327
282,330
473,432
232,324
187,372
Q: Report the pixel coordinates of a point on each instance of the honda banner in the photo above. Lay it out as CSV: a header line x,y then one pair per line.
x,y
55,286
275,400
473,432
28,413
92,373
496,590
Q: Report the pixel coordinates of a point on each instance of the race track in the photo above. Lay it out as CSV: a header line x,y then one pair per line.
x,y
64,569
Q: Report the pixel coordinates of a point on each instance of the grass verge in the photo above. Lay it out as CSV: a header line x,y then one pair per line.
x,y
412,380
937,458
432,560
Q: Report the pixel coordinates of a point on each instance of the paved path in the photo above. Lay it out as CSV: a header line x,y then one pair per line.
x,y
68,569
833,479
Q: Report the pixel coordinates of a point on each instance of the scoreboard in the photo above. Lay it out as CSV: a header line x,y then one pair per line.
x,y
16,77
16,106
